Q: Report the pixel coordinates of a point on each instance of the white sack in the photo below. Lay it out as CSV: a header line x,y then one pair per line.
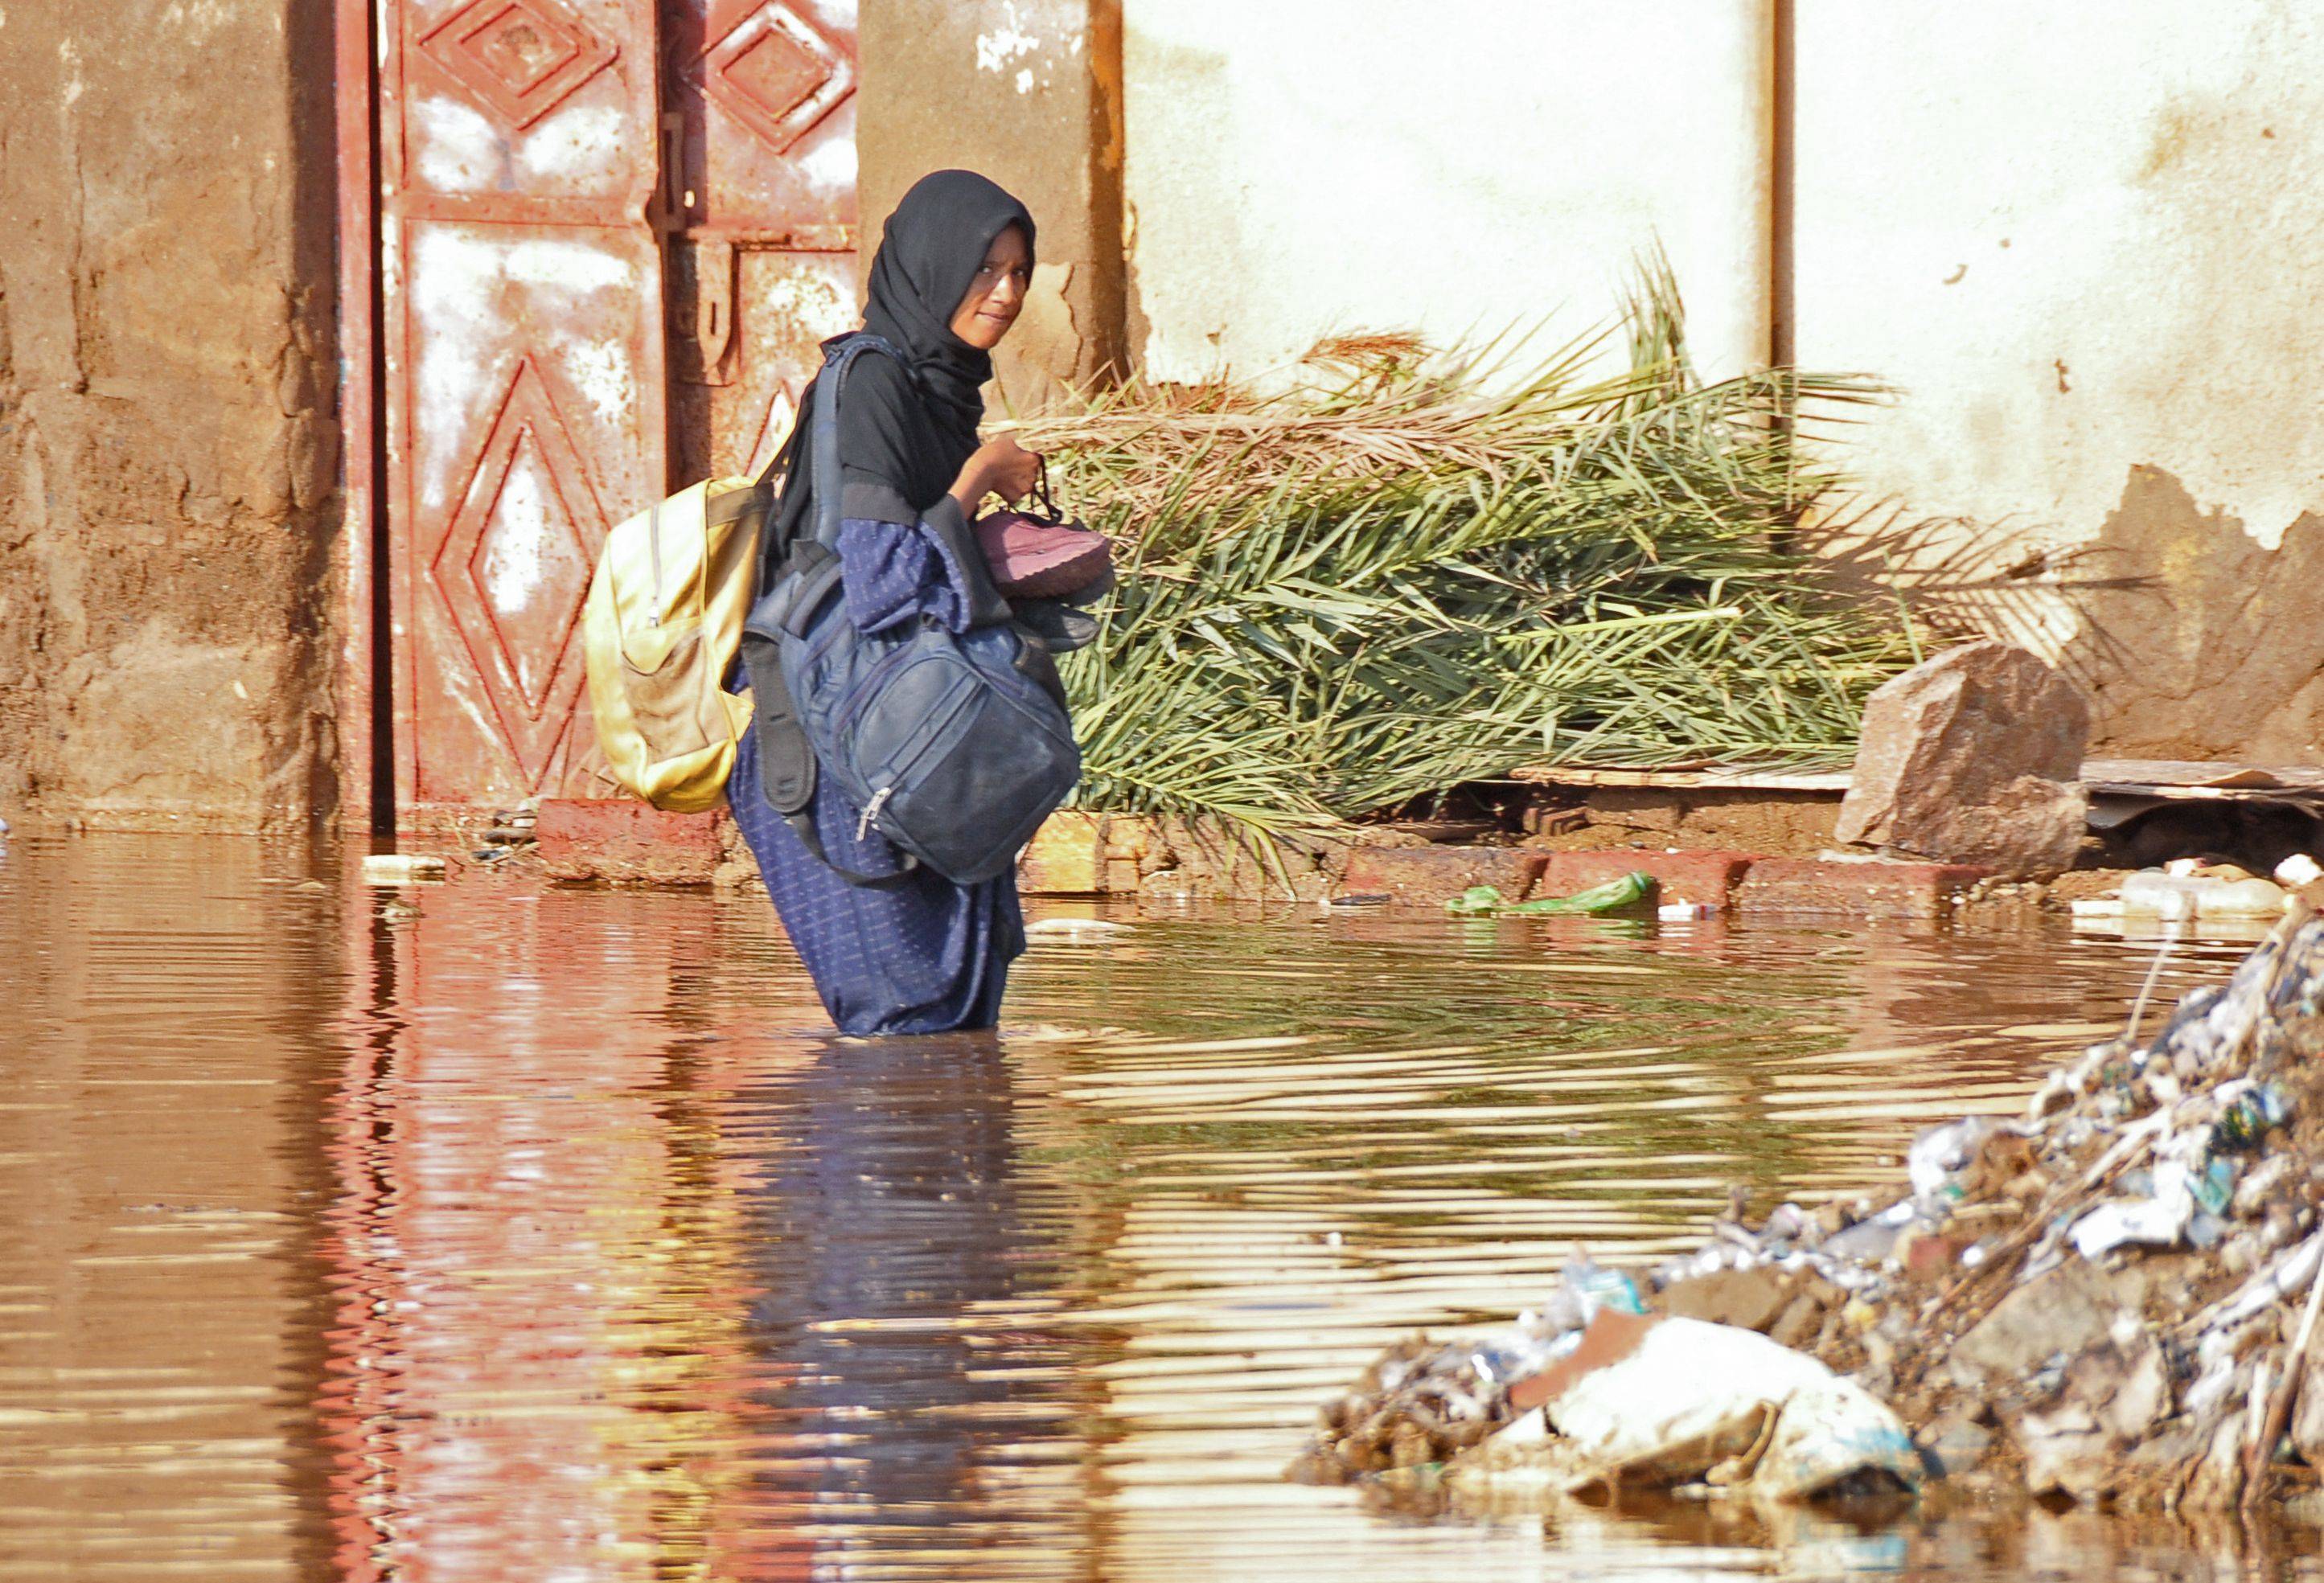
x,y
1694,1400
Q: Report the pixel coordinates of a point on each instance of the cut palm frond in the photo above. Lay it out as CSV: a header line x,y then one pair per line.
x,y
1385,581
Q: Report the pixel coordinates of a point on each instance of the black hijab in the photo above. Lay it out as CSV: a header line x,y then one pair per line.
x,y
930,253
904,433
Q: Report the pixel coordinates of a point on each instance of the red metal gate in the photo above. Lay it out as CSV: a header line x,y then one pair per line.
x,y
608,234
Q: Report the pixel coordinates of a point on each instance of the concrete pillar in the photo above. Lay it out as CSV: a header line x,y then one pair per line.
x,y
1030,93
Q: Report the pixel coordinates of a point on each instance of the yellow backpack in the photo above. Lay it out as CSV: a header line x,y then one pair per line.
x,y
661,627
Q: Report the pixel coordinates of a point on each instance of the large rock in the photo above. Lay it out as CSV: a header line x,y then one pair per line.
x,y
1973,757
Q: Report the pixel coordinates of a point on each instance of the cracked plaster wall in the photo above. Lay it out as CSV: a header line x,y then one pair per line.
x,y
168,444
2086,240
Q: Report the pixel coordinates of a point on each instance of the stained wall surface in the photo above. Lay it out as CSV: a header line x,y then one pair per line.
x,y
167,436
2086,240
1311,167
1030,93
2078,238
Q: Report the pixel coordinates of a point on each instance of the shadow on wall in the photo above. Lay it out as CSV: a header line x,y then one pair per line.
x,y
2214,648
1196,78
2190,640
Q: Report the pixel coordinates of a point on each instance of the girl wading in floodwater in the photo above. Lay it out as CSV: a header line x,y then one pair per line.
x,y
920,955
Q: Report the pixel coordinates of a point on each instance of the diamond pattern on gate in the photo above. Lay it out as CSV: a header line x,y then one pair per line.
x,y
522,57
778,74
515,569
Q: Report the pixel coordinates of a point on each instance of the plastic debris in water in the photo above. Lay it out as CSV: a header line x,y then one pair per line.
x,y
2200,894
1681,1400
1938,1156
1074,929
2177,1143
2215,1186
1591,1286
401,868
2246,1119
1482,900
2157,1221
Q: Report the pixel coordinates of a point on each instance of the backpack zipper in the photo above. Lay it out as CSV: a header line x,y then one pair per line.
x,y
872,810
860,695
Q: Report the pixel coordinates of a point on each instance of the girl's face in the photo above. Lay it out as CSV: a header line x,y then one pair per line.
x,y
997,295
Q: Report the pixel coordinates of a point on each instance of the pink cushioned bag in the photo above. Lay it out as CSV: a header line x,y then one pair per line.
x,y
1037,555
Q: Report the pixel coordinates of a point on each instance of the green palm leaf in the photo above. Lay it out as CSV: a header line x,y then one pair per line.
x,y
1383,580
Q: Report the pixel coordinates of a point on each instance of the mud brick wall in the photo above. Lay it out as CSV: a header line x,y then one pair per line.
x,y
168,442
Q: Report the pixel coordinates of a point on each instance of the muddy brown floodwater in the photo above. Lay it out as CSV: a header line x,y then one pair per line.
x,y
538,1234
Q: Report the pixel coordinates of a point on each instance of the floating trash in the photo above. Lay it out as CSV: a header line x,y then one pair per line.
x,y
2108,1281
1071,930
1659,1401
1485,900
401,868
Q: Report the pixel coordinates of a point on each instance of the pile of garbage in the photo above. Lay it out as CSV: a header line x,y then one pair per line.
x,y
2114,1296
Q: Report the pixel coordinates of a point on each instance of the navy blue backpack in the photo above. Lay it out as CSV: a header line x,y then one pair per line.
x,y
953,745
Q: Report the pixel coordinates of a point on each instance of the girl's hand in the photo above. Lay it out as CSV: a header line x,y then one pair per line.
x,y
999,466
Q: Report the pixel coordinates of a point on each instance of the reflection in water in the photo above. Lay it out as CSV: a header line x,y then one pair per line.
x,y
540,1234
515,1308
899,1342
620,1293
162,1014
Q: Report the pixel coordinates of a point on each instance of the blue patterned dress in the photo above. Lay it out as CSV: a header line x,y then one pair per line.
x,y
921,957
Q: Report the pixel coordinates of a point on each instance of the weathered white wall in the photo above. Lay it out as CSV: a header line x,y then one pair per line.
x,y
2087,239
2084,238
1299,168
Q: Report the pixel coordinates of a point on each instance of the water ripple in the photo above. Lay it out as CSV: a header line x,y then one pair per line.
x,y
541,1235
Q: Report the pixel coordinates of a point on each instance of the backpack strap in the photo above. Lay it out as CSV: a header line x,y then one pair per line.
x,y
839,354
786,765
